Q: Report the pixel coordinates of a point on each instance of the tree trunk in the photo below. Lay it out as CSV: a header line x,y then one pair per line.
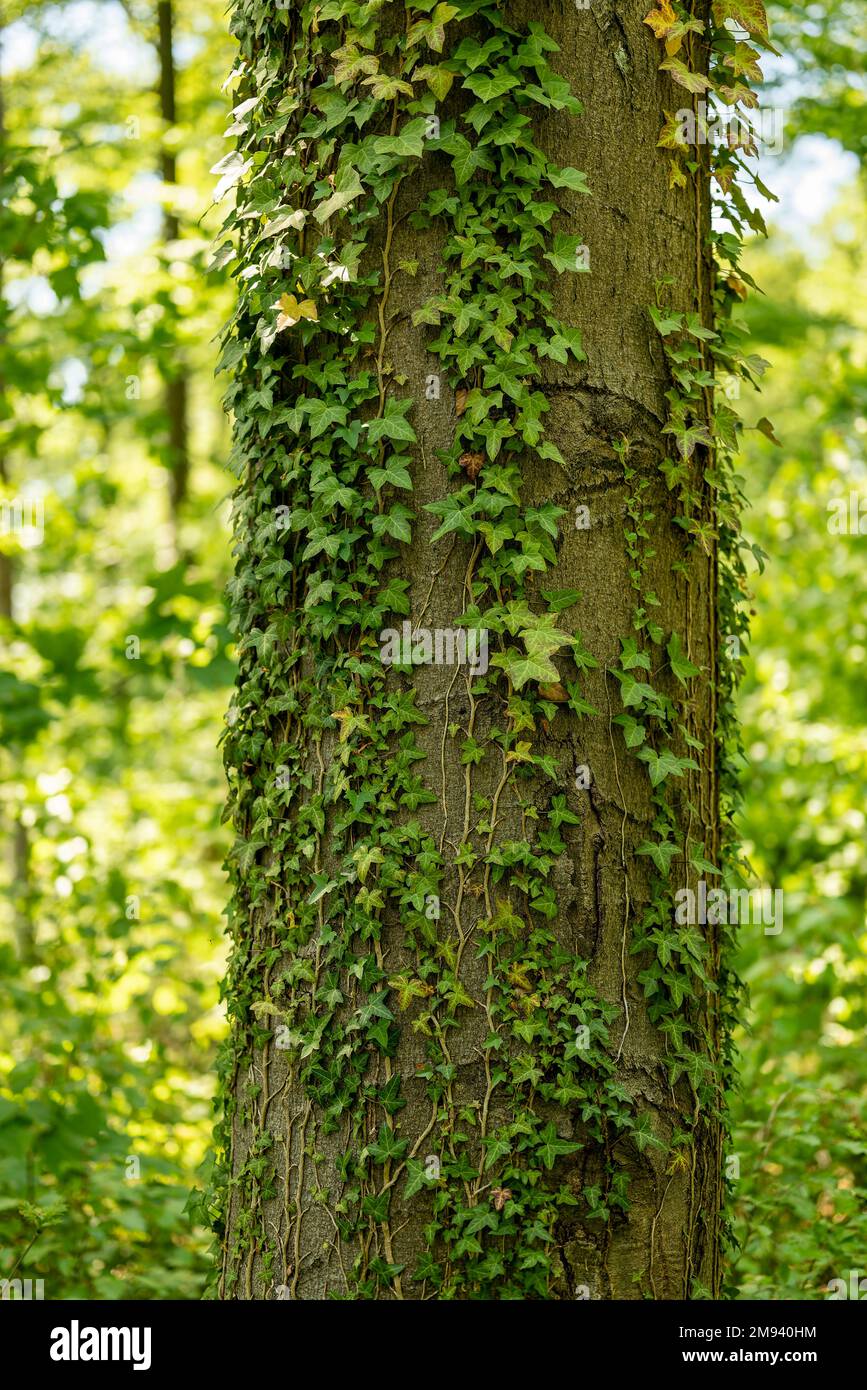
x,y
19,840
174,373
464,1062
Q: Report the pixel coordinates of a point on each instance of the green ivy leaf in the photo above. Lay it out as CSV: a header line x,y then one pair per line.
x,y
567,178
553,1147
661,852
520,668
393,472
665,764
680,665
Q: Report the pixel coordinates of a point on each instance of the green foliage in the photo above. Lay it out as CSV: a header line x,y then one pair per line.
x,y
111,912
800,1116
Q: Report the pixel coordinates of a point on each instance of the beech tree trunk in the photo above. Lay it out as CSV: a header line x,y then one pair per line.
x,y
317,1178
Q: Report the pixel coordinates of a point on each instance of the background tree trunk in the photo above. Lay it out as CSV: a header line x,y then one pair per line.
x,y
176,406
398,1186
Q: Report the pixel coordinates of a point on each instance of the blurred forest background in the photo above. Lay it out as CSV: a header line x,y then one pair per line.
x,y
115,660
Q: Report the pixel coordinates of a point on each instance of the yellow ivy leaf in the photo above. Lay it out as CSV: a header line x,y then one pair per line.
x,y
662,20
677,35
672,135
684,76
342,716
749,14
676,176
291,311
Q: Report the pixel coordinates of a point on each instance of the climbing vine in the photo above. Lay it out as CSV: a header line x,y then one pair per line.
x,y
710,142
341,815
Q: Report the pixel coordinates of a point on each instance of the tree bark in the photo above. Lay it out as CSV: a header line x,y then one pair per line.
x,y
317,1203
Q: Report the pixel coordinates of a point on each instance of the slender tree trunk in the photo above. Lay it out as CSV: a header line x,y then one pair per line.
x,y
176,406
457,1068
19,841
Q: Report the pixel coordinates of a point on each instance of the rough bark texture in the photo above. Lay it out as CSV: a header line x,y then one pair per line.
x,y
637,230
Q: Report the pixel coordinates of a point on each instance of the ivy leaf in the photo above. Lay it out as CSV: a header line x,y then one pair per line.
x,y
543,637
291,311
497,1148
662,20
559,599
393,424
319,590
467,159
633,692
246,851
322,885
675,37
495,431
631,656
387,1145
288,218
666,323
520,668
342,196
552,1146
490,87
416,1178
496,533
437,77
322,417
407,144
432,30
692,81
744,62
749,14
765,427
691,939
696,329
702,865
567,178
394,473
428,313
394,523
455,517
665,764
662,852
633,732
564,252
643,1135
680,665
364,857
384,87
